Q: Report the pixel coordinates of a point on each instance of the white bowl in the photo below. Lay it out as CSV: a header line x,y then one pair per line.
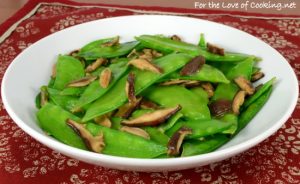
x,y
32,68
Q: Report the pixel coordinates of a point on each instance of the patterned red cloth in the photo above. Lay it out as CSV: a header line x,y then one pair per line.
x,y
24,160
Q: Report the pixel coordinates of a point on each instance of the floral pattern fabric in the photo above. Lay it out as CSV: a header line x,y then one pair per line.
x,y
24,160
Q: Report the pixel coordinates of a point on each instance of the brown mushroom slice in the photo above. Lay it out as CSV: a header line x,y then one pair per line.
x,y
126,110
208,87
238,101
186,83
147,104
103,121
53,74
82,82
44,96
133,53
144,64
256,76
245,85
95,144
215,49
136,131
129,88
176,140
193,66
74,52
156,54
175,38
113,42
93,66
105,78
152,118
220,107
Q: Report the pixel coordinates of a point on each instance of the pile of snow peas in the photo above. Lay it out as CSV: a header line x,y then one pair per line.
x,y
155,97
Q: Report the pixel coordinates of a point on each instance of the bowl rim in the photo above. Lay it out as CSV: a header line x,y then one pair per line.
x,y
142,162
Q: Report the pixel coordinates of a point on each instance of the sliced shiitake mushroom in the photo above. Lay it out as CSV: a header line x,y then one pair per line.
x,y
147,104
82,82
152,118
208,87
74,53
136,131
95,144
53,74
183,82
144,64
245,85
93,66
175,38
238,101
215,49
220,107
103,120
113,42
126,110
193,66
256,76
129,88
176,140
105,78
44,96
133,53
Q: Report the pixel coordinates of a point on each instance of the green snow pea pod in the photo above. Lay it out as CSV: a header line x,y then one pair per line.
x,y
202,128
52,119
167,45
206,73
123,144
258,93
51,82
246,116
202,42
197,147
96,44
95,91
117,97
169,96
170,122
156,135
232,118
65,101
108,52
72,91
201,93
243,68
67,70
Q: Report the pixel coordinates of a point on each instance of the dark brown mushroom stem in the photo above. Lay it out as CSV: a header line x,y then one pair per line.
x,y
220,107
147,104
215,49
175,38
95,144
176,140
126,110
82,82
193,66
238,101
245,85
144,64
129,88
153,118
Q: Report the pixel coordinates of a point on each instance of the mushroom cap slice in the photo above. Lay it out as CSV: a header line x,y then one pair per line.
x,y
82,82
136,131
152,118
238,101
176,140
193,66
144,64
95,144
245,85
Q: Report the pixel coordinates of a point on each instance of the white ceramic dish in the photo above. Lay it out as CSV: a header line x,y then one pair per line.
x,y
32,68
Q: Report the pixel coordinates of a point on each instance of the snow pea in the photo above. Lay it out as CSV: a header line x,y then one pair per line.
x,y
202,128
202,42
201,93
243,68
157,136
95,44
65,101
231,118
123,144
169,96
206,73
72,91
197,147
258,93
248,114
95,91
67,70
117,97
108,52
170,123
166,45
52,119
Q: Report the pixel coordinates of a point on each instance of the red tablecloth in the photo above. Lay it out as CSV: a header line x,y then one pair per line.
x,y
24,160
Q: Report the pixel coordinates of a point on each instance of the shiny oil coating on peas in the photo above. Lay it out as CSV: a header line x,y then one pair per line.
x,y
169,113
